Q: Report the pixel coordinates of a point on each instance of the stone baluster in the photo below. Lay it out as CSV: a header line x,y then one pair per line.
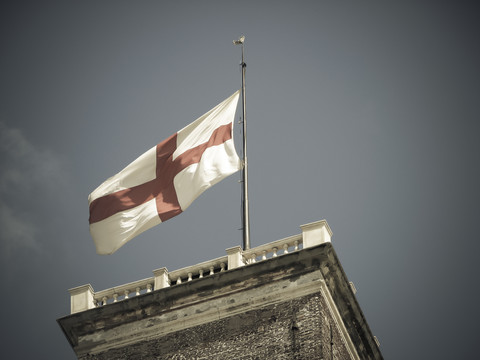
x,y
285,249
222,266
179,280
296,245
137,291
189,276
264,255
104,300
274,250
115,297
211,270
126,293
200,273
149,288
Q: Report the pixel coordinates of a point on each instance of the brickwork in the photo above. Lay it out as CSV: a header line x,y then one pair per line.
x,y
296,329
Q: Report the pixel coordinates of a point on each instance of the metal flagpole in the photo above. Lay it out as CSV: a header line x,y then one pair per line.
x,y
246,216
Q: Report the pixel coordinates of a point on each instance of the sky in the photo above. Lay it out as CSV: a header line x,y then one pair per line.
x,y
363,113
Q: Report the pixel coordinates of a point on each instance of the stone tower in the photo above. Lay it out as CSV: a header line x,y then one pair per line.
x,y
289,299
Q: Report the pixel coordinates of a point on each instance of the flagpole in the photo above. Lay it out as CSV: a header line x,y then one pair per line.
x,y
246,216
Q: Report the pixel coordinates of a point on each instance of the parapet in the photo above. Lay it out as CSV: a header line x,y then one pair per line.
x,y
313,234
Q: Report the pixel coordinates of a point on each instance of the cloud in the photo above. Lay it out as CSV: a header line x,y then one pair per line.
x,y
29,175
16,232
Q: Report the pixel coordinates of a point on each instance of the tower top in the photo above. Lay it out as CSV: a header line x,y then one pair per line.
x,y
293,290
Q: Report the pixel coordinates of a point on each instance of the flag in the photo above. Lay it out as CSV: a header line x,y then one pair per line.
x,y
165,180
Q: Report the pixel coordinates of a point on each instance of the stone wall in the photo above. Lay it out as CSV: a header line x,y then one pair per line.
x,y
289,307
296,329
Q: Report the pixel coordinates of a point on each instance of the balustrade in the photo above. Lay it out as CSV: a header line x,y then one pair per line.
x,y
198,271
123,292
313,234
271,250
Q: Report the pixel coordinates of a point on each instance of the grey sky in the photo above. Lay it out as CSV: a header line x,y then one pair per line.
x,y
361,113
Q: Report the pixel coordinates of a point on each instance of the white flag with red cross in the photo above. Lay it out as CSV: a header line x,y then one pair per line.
x,y
165,180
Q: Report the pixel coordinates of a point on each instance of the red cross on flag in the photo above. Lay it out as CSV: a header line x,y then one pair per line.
x,y
165,180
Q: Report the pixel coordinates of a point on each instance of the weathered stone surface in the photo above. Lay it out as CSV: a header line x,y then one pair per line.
x,y
289,330
290,307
